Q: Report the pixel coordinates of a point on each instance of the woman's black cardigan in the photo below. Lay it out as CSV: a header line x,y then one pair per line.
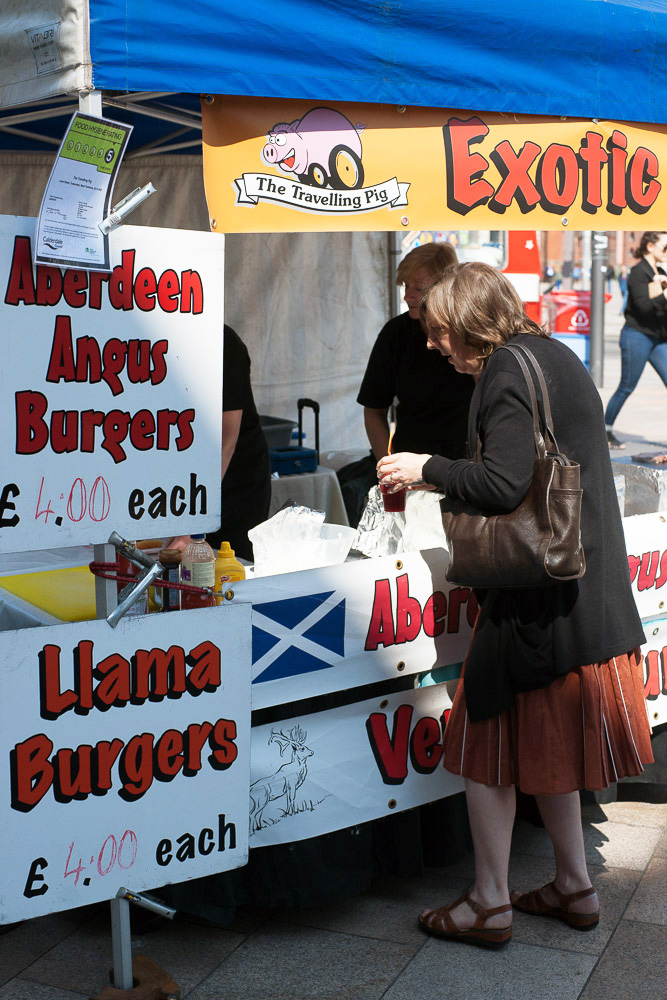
x,y
524,639
643,313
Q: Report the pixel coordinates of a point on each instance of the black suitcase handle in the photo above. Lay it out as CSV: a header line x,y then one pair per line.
x,y
315,407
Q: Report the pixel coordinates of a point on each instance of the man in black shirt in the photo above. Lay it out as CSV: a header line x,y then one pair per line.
x,y
433,398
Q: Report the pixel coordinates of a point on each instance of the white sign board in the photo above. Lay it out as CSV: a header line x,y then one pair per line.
x,y
125,756
646,543
110,390
331,629
349,765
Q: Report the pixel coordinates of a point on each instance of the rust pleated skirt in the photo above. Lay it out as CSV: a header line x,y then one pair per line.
x,y
585,730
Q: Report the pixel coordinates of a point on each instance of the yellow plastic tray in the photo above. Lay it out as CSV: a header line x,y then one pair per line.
x,y
68,594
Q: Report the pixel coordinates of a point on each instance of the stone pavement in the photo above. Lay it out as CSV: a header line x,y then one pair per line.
x,y
369,947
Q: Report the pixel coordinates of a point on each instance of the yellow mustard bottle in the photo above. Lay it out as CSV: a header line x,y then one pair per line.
x,y
226,564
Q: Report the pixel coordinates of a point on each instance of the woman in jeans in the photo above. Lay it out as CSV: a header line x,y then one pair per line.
x,y
644,336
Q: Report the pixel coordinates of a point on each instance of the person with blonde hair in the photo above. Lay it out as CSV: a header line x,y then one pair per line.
x,y
551,697
433,399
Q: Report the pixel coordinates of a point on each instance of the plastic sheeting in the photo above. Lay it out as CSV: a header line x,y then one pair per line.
x,y
43,49
580,58
323,301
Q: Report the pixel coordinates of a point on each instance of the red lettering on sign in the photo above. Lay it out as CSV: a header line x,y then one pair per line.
x,y
642,186
408,612
115,681
655,674
409,617
80,288
423,746
516,183
391,752
465,189
592,158
560,173
76,773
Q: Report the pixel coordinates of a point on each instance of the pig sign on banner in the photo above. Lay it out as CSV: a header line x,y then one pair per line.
x,y
125,756
110,389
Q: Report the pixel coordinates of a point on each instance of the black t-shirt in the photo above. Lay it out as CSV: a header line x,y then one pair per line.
x,y
433,398
249,465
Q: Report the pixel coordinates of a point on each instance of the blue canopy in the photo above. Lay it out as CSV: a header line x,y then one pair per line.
x,y
579,58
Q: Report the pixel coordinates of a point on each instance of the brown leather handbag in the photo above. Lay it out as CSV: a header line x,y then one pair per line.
x,y
539,542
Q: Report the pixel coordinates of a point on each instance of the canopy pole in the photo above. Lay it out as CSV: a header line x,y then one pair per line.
x,y
90,103
598,271
395,240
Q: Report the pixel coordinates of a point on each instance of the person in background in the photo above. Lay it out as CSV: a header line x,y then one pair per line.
x,y
623,286
246,467
644,335
551,698
610,275
433,399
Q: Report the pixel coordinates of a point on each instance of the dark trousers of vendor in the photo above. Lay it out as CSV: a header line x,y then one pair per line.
x,y
241,510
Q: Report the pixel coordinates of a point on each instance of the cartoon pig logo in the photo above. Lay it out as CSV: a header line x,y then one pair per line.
x,y
322,148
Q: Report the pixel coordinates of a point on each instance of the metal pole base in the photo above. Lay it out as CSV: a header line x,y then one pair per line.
x,y
150,983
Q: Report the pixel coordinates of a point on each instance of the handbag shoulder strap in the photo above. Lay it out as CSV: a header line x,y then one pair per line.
x,y
521,353
539,437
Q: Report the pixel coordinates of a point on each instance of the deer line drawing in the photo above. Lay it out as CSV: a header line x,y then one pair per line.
x,y
283,782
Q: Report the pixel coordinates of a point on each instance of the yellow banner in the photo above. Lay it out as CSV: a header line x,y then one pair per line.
x,y
295,166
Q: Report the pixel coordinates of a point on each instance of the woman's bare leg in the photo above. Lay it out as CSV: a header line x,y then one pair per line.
x,y
491,811
561,815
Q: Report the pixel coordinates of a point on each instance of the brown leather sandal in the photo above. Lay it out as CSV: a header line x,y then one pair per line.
x,y
533,903
439,923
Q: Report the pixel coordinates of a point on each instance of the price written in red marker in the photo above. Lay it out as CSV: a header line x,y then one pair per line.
x,y
81,502
113,852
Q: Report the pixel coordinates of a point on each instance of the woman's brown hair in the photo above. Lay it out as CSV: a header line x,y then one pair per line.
x,y
478,306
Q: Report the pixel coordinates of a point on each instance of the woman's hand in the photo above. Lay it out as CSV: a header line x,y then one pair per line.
x,y
403,471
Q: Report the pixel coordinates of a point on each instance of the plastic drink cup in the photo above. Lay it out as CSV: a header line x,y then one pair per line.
x,y
393,502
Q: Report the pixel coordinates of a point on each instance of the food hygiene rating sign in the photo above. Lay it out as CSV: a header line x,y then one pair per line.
x,y
277,166
125,756
110,389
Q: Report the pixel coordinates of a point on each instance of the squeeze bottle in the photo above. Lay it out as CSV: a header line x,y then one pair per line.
x,y
171,560
227,568
198,569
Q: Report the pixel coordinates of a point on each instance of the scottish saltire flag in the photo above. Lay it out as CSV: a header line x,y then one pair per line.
x,y
297,635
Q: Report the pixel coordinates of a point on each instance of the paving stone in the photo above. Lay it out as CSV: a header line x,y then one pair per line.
x,y
661,849
632,965
444,969
28,941
614,887
613,844
289,962
82,961
388,911
633,813
648,903
23,989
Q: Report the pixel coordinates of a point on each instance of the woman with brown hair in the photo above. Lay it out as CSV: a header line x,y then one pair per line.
x,y
551,698
644,335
